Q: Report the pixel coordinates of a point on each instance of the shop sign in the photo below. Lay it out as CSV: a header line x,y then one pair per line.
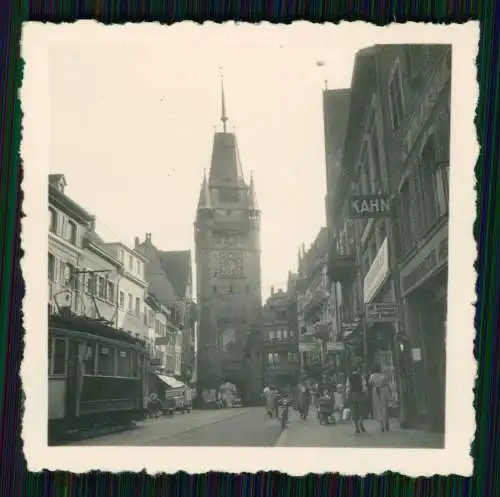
x,y
348,328
432,93
366,206
382,312
428,261
416,355
377,274
308,346
335,347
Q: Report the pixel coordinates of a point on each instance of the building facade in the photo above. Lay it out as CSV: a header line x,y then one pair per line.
x,y
169,276
281,352
101,274
397,146
227,230
68,225
132,289
314,306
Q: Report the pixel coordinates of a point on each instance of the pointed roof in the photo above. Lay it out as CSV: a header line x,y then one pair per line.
x,y
223,104
204,201
252,196
225,167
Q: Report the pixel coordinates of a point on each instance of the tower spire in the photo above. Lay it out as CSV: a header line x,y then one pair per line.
x,y
223,108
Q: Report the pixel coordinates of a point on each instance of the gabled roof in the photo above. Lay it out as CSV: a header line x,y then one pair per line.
x,y
177,266
55,179
159,283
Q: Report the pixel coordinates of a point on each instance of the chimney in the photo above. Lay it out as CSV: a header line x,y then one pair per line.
x,y
92,224
148,237
136,242
272,291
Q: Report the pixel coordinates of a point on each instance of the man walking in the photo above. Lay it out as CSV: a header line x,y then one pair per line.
x,y
357,399
304,400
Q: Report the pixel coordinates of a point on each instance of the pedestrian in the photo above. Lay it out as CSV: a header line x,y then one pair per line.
x,y
304,400
266,395
381,395
357,399
369,395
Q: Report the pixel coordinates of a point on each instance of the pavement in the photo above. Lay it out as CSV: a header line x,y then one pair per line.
x,y
221,427
309,433
251,427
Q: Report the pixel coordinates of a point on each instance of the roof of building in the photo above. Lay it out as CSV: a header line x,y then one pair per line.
x,y
54,179
177,266
159,280
364,71
225,167
57,196
336,116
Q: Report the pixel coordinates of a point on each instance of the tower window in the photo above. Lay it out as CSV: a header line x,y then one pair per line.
x,y
214,288
230,288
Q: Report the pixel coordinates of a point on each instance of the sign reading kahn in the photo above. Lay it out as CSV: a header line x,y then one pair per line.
x,y
365,206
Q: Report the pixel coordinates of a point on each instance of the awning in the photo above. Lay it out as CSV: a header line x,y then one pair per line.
x,y
170,381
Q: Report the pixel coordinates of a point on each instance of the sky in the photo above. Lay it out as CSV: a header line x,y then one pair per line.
x,y
132,124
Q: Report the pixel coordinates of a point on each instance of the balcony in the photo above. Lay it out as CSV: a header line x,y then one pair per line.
x,y
314,300
341,268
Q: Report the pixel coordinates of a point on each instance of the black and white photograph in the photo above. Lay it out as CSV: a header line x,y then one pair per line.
x,y
258,237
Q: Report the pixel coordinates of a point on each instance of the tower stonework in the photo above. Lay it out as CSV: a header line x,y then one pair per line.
x,y
227,232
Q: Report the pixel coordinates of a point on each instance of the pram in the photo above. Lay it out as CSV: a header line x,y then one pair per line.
x,y
325,410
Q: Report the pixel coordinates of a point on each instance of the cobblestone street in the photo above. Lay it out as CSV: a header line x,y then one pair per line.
x,y
250,427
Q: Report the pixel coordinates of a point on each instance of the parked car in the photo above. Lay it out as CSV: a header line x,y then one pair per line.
x,y
237,402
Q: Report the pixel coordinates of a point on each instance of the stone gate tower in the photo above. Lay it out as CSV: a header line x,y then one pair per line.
x,y
227,229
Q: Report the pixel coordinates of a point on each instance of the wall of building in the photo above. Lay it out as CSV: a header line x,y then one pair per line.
x,y
65,255
401,98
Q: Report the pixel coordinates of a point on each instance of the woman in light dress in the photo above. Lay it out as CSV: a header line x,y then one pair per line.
x,y
381,395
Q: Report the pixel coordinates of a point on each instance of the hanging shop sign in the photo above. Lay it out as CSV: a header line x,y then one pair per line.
x,y
307,343
369,206
335,347
308,347
382,312
429,99
377,274
428,261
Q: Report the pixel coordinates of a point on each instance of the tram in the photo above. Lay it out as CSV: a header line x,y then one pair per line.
x,y
97,377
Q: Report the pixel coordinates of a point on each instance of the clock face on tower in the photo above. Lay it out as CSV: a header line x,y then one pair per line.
x,y
231,265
